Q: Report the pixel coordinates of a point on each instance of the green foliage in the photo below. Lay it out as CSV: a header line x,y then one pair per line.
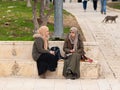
x,y
115,5
16,21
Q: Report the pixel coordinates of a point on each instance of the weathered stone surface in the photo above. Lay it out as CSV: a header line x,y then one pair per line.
x,y
16,50
22,49
17,68
29,69
89,70
16,60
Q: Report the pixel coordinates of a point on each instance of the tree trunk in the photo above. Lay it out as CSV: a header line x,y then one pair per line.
x,y
28,3
47,4
58,19
36,25
43,18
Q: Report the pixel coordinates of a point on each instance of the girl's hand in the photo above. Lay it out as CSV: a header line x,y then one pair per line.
x,y
72,51
52,52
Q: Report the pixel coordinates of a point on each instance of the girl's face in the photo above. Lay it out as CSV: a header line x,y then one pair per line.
x,y
47,33
72,34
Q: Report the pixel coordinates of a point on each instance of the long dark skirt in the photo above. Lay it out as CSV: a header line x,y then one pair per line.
x,y
46,62
71,67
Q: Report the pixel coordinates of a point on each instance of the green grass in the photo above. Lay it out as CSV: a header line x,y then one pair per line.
x,y
115,5
16,21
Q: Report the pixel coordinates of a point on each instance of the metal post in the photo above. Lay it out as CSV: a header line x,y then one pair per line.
x,y
58,19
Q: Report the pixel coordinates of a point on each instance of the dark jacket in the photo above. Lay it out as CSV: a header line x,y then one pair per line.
x,y
68,46
38,48
71,64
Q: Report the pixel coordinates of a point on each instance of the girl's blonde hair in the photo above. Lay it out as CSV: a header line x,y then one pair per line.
x,y
42,30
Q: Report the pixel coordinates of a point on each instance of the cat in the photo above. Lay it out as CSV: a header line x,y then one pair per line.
x,y
110,18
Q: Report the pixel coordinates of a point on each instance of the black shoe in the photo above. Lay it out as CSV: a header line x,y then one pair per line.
x,y
68,71
70,76
73,78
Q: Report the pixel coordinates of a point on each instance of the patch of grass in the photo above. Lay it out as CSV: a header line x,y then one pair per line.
x,y
16,21
115,5
66,13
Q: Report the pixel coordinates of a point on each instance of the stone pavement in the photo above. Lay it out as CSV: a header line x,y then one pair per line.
x,y
108,37
58,84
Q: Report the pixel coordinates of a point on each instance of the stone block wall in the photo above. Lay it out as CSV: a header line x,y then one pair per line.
x,y
16,60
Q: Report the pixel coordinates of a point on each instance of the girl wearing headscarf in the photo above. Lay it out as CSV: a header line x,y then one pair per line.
x,y
73,48
44,58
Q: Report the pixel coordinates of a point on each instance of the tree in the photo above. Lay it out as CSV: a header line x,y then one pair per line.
x,y
36,25
45,12
28,3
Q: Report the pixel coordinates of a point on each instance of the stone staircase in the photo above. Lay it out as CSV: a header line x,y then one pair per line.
x,y
16,60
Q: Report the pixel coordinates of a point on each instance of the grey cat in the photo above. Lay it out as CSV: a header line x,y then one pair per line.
x,y
110,18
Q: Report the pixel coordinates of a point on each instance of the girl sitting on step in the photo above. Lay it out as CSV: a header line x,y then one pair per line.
x,y
74,52
45,58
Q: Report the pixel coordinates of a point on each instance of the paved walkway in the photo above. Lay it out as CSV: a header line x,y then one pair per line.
x,y
108,37
58,84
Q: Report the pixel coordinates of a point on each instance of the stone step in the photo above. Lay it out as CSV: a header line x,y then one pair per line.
x,y
17,68
21,68
23,49
16,60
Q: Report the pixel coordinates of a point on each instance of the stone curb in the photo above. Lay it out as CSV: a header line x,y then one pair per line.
x,y
112,9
